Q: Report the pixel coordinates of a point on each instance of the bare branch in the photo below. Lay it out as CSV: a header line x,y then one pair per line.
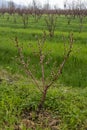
x,y
42,57
63,62
25,65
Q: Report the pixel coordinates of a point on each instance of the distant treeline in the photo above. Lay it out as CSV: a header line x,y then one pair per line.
x,y
74,12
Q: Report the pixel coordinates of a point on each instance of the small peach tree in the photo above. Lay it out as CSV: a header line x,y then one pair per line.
x,y
44,86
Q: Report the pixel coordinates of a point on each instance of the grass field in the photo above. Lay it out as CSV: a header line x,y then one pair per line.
x,y
67,101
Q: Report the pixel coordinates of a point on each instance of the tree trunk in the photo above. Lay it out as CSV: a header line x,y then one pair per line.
x,y
40,106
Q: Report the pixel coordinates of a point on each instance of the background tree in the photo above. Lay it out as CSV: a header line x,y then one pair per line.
x,y
51,20
36,10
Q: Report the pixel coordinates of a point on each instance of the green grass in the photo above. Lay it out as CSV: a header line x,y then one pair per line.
x,y
75,70
17,94
68,98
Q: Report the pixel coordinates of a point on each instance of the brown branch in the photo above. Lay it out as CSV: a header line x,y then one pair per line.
x,y
56,76
25,65
42,56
